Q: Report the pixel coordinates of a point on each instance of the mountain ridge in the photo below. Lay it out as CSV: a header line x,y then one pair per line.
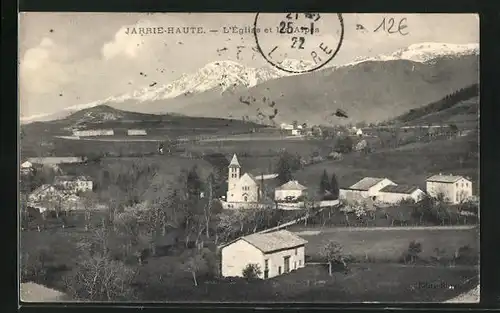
x,y
220,78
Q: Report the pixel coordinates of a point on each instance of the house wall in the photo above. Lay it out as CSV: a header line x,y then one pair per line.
x,y
280,195
236,256
276,260
392,197
453,192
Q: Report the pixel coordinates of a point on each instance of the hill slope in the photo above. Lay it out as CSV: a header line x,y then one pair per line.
x,y
460,107
370,91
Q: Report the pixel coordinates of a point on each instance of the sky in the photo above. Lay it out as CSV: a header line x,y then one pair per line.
x,y
74,58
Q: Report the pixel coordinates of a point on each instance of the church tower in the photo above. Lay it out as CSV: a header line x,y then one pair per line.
x,y
233,177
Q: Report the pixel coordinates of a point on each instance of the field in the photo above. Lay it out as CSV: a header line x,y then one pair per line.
x,y
407,165
382,245
363,282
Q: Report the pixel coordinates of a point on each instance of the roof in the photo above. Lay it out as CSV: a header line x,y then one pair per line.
x,y
26,164
269,242
366,183
292,185
251,177
234,162
31,292
444,178
406,189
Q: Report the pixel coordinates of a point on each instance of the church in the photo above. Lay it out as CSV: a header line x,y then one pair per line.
x,y
241,188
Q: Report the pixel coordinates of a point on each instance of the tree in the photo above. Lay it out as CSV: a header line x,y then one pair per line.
x,y
284,168
194,263
414,249
193,183
295,123
344,144
98,278
324,184
251,271
332,252
334,187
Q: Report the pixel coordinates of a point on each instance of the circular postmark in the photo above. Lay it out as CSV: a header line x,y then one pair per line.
x,y
298,42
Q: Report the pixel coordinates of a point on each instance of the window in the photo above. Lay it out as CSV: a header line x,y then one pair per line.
x,y
246,198
266,268
300,262
279,270
296,251
295,265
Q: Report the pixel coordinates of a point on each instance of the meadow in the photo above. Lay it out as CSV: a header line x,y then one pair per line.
x,y
388,245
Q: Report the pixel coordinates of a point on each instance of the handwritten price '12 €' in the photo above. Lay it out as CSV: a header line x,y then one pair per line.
x,y
389,26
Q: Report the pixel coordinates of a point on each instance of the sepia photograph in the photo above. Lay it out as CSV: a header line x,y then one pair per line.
x,y
248,157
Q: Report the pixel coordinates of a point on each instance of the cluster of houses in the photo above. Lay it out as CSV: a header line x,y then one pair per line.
x,y
247,189
64,189
454,189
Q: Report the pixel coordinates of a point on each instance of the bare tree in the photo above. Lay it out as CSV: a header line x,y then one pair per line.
x,y
97,278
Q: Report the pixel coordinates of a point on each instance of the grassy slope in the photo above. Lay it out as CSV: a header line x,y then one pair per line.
x,y
370,91
406,165
389,245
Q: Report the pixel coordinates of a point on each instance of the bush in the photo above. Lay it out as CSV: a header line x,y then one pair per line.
x,y
252,271
410,256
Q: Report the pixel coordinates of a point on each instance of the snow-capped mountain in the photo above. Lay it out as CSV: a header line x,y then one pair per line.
x,y
221,76
423,52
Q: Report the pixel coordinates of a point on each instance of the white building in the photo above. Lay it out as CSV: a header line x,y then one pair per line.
x,y
26,167
397,193
136,132
454,189
274,253
286,126
45,192
243,188
289,191
296,132
74,183
368,187
93,132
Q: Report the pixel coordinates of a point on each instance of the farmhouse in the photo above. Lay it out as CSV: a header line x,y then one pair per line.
x,y
454,189
290,191
74,183
274,253
244,188
368,187
397,193
296,132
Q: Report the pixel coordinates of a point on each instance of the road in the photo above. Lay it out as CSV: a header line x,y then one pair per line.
x,y
311,232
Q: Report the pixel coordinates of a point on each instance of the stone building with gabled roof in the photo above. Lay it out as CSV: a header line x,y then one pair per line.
x,y
274,253
290,191
453,188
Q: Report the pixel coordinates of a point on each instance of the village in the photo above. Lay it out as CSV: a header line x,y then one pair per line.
x,y
237,177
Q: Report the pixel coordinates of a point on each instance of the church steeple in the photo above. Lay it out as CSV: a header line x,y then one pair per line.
x,y
234,162
234,172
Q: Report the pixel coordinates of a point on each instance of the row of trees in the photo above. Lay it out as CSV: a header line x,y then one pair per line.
x,y
329,186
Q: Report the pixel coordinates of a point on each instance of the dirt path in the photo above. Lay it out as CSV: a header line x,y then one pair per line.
x,y
312,231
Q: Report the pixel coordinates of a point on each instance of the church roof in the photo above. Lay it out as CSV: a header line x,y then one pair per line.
x,y
234,162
